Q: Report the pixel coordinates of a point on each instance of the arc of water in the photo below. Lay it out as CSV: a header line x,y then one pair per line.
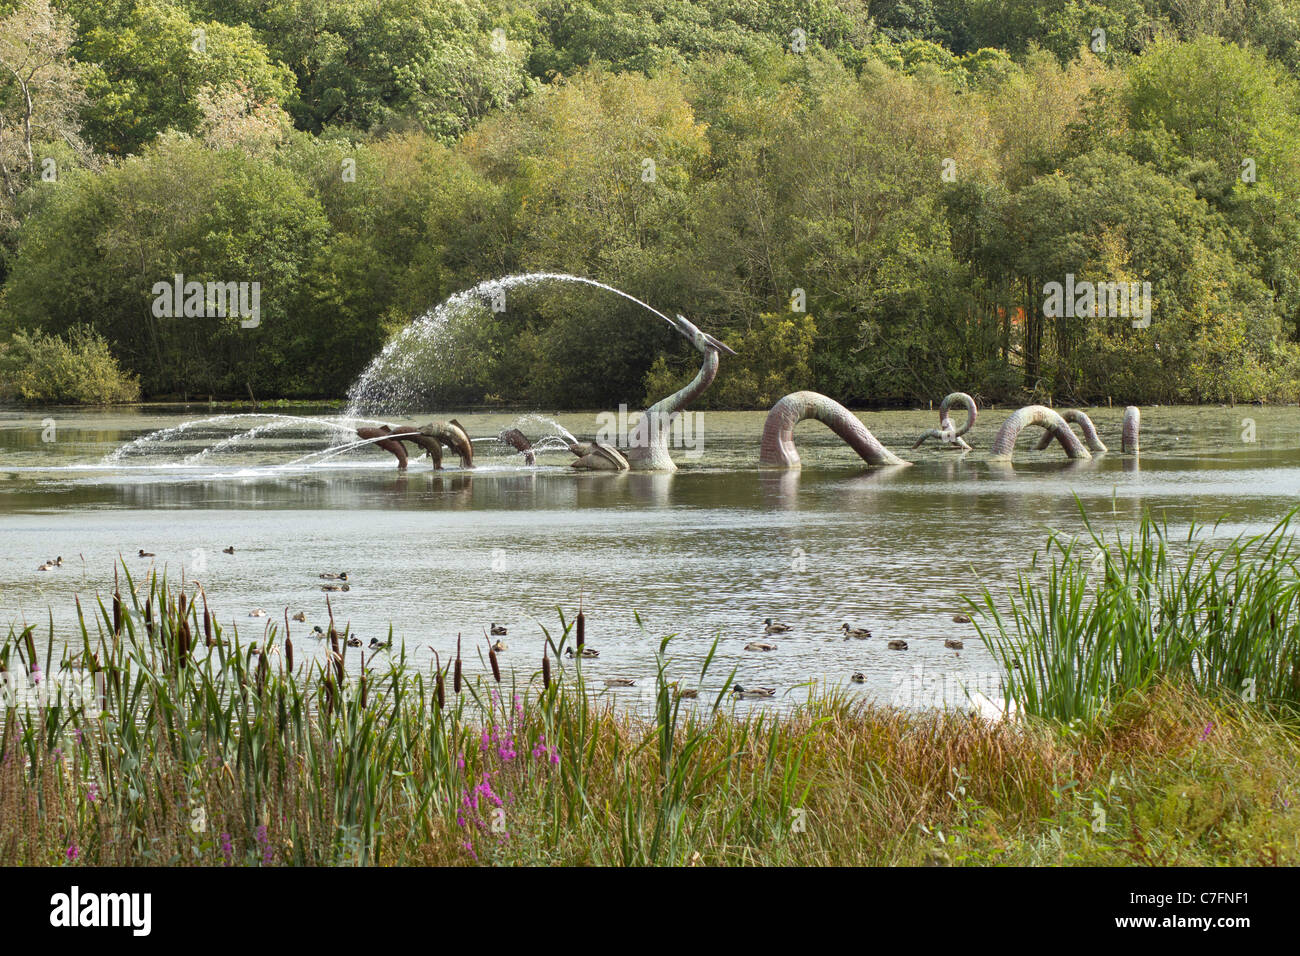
x,y
441,312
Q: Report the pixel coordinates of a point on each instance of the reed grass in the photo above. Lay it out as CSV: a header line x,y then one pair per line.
x,y
202,752
1099,617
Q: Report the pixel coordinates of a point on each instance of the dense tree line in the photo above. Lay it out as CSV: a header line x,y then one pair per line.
x,y
864,198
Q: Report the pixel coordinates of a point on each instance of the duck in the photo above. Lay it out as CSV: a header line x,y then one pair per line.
x,y
688,693
753,692
300,616
354,642
585,652
858,677
619,682
51,565
861,633
772,627
341,576
955,644
146,554
377,645
254,649
960,619
229,550
257,612
760,646
897,644
318,633
335,587
498,630
500,646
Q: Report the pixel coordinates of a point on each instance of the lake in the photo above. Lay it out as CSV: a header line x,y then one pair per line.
x,y
709,551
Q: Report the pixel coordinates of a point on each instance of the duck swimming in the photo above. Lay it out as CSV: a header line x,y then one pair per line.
x,y
354,642
317,632
498,630
619,682
858,677
341,576
773,627
753,693
688,693
955,644
229,550
585,652
861,633
760,646
300,616
146,554
51,565
257,612
500,646
335,587
377,645
960,619
897,644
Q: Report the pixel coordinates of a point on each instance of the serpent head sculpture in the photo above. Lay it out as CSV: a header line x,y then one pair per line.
x,y
520,443
948,433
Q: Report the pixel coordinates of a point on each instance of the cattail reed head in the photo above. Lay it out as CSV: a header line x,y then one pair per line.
x,y
439,688
207,622
288,653
365,687
546,669
117,612
582,628
496,668
455,680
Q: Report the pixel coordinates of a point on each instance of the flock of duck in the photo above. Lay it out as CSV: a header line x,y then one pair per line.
x,y
338,581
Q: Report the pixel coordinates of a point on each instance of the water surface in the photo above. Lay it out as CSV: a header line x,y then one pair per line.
x,y
709,551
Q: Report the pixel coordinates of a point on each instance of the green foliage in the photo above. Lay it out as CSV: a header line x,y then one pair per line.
x,y
1097,619
920,170
76,369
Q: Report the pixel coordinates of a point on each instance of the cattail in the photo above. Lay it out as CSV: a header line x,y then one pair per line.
x,y
365,689
439,689
263,670
183,642
288,653
582,626
546,669
455,680
207,622
338,667
328,687
496,668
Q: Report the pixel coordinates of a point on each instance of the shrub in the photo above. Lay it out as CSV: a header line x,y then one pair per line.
x,y
78,369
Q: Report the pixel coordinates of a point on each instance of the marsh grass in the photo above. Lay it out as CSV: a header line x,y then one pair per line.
x,y
1107,616
206,753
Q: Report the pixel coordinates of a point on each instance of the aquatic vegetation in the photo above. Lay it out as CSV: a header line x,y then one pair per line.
x,y
1099,618
193,750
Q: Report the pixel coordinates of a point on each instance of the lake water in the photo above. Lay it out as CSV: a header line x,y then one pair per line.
x,y
709,551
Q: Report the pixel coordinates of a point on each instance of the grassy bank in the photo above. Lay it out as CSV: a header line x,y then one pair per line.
x,y
207,752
